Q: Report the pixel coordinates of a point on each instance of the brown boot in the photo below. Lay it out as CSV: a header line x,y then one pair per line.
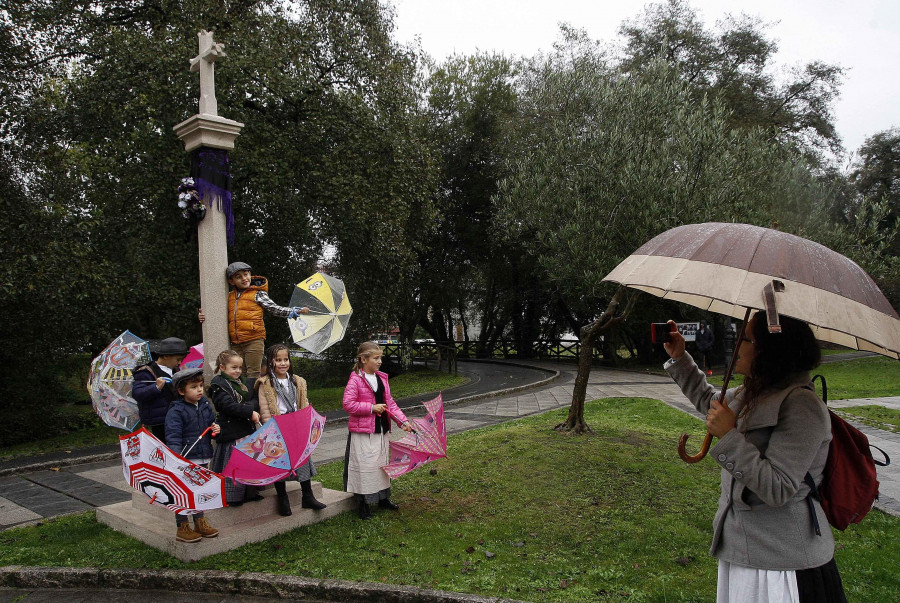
x,y
186,534
202,527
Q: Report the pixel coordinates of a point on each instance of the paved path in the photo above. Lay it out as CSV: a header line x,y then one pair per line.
x,y
28,497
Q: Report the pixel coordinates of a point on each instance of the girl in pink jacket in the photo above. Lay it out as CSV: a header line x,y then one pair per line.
x,y
368,401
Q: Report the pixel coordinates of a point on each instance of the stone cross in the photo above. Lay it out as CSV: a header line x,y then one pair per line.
x,y
208,129
204,62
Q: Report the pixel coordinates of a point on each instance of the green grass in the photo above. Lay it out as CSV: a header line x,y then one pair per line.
x,y
418,381
862,378
517,510
873,415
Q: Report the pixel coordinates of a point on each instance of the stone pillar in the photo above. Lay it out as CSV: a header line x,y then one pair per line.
x,y
207,129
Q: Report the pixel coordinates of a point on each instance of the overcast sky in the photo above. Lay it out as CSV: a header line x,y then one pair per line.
x,y
860,35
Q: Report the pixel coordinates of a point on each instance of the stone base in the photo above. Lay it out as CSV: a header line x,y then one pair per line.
x,y
251,522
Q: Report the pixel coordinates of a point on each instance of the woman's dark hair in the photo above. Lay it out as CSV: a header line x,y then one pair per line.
x,y
777,355
271,352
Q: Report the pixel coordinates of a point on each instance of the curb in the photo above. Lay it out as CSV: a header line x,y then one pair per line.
x,y
228,583
113,455
65,462
492,394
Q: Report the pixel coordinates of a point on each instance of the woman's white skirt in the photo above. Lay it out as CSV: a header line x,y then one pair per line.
x,y
369,452
739,583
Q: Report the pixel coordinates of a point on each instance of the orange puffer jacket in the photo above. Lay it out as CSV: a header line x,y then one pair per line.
x,y
245,316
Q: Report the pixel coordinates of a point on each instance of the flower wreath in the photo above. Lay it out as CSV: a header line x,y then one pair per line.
x,y
192,207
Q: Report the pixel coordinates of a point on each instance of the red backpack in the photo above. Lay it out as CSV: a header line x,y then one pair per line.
x,y
849,484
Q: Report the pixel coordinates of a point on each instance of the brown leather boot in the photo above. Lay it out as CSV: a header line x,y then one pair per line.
x,y
186,534
202,527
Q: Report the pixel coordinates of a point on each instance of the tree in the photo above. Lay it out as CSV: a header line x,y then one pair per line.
x,y
601,162
734,63
332,138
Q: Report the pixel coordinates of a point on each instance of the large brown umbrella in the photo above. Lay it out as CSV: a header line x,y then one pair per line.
x,y
734,268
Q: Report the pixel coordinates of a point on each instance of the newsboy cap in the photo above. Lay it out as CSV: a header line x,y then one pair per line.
x,y
235,267
182,376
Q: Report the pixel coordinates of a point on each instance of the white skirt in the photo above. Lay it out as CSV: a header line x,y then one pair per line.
x,y
369,452
738,583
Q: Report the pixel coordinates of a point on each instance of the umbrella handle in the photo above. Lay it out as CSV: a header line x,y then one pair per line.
x,y
704,449
707,441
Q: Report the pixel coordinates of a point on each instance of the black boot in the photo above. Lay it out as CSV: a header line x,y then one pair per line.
x,y
364,512
385,503
309,501
284,503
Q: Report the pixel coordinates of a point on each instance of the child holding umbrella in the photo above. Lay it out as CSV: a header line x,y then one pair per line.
x,y
238,417
186,434
368,401
280,392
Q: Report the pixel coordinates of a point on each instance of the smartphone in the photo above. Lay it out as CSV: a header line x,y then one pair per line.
x,y
659,332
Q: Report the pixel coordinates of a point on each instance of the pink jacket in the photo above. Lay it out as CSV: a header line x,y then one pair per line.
x,y
359,400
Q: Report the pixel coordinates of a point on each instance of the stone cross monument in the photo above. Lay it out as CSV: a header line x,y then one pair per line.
x,y
207,129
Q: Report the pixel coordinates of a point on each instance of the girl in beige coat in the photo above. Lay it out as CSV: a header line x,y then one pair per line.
x,y
281,392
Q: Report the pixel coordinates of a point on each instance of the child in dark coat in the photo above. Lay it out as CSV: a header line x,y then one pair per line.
x,y
152,388
187,418
238,416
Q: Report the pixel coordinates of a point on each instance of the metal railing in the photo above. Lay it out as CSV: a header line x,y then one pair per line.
x,y
442,353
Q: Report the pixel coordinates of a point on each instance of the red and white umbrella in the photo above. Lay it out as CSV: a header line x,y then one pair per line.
x,y
168,479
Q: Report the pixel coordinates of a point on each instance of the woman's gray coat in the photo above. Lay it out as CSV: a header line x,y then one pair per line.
x,y
763,520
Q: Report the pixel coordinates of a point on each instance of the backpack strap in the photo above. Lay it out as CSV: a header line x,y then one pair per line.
x,y
887,459
813,492
824,387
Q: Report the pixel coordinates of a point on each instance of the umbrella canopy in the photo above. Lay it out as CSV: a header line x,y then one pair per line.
x,y
168,479
725,268
427,442
194,358
277,449
110,380
329,312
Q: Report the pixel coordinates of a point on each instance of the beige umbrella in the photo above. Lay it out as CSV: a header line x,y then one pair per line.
x,y
732,269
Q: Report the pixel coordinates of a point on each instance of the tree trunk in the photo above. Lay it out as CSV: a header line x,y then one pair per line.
x,y
575,423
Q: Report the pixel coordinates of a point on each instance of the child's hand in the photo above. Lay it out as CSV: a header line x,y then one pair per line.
x,y
406,426
201,316
297,311
379,408
160,383
255,417
216,429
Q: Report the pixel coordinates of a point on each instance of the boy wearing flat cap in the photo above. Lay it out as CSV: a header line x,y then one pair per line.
x,y
152,387
247,299
186,420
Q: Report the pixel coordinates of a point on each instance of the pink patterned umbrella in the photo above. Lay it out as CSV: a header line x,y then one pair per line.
x,y
168,479
426,443
277,449
194,359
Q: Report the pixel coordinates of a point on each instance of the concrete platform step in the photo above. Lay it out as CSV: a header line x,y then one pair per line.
x,y
160,532
231,515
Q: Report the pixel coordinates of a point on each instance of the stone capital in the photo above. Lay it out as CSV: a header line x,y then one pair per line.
x,y
212,131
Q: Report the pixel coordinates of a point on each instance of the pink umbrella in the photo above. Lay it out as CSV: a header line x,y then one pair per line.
x,y
426,443
277,449
194,359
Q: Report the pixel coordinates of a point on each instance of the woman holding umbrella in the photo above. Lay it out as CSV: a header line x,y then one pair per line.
x,y
772,431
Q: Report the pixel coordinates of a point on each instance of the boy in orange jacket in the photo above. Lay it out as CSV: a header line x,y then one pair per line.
x,y
247,299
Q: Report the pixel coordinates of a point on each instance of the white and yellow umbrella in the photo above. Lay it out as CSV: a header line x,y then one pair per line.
x,y
329,312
